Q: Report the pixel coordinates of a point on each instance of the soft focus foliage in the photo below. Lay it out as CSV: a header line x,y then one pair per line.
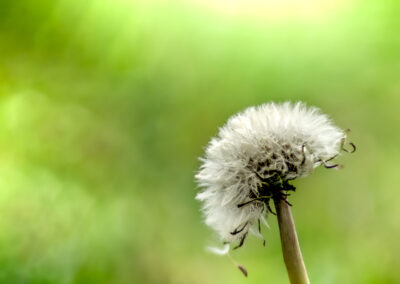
x,y
106,105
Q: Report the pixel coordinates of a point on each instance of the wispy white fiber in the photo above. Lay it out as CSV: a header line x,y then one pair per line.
x,y
288,139
219,251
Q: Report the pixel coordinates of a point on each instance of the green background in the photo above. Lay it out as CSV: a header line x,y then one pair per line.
x,y
106,105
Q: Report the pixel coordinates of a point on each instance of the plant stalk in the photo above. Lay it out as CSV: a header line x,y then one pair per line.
x,y
290,245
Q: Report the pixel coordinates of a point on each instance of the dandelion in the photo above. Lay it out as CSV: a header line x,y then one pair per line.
x,y
253,159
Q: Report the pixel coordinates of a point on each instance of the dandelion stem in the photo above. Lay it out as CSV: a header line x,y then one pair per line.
x,y
290,244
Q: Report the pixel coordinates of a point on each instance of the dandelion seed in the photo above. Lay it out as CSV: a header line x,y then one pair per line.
x,y
243,270
253,158
219,251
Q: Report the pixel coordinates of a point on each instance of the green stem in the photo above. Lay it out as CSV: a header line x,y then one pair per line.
x,y
290,245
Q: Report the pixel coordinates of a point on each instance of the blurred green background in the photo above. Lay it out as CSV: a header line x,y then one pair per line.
x,y
105,106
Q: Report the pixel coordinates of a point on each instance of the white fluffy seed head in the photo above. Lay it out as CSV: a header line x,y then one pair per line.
x,y
288,139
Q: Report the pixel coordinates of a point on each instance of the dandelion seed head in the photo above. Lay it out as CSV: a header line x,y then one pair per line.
x,y
273,141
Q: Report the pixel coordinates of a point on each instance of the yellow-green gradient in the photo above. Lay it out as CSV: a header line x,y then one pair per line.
x,y
105,106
